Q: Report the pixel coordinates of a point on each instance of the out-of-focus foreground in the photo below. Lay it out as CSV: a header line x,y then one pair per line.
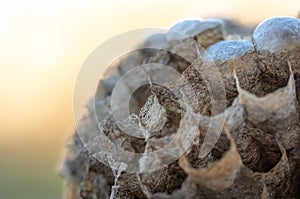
x,y
43,45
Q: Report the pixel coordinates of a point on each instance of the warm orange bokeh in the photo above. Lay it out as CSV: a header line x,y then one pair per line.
x,y
43,46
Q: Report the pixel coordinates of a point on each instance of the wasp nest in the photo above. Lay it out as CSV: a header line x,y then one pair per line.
x,y
257,154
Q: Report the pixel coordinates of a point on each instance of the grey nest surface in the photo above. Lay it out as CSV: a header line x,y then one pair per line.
x,y
257,153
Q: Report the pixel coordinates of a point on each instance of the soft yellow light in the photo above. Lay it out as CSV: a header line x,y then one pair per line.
x,y
43,49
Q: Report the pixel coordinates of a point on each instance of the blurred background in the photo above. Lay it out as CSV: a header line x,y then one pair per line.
x,y
42,47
